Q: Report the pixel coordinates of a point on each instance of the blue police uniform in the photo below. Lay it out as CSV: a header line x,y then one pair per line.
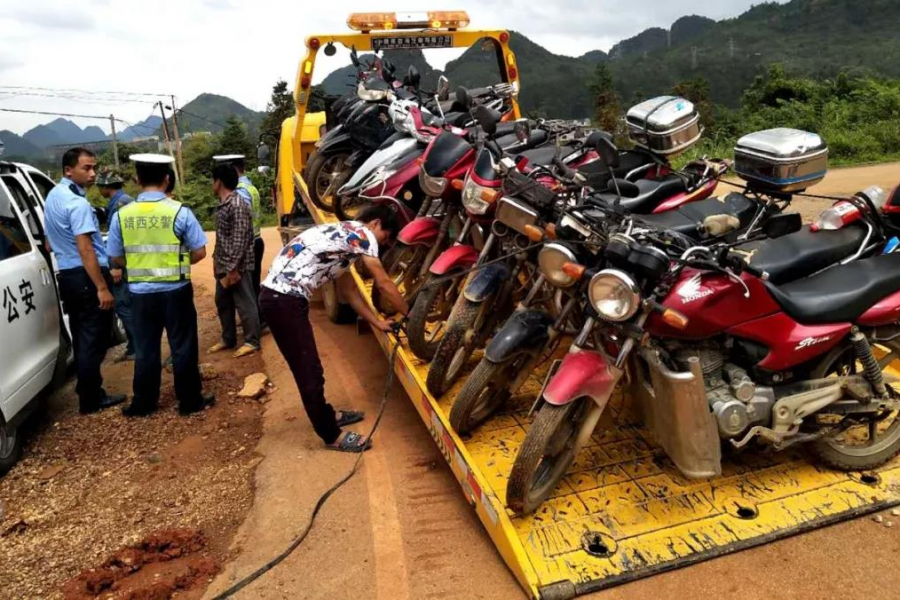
x,y
67,214
164,305
117,201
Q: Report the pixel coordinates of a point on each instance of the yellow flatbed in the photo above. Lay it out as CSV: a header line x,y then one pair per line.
x,y
625,512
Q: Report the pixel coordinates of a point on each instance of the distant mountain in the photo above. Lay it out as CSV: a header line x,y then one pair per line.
x,y
595,56
93,134
209,112
147,127
18,147
648,40
62,131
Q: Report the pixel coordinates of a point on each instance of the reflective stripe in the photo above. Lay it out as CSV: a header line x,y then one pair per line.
x,y
159,272
145,248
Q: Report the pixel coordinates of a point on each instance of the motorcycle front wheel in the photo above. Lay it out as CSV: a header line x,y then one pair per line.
x,y
485,391
403,264
464,330
323,171
429,313
547,453
347,208
865,441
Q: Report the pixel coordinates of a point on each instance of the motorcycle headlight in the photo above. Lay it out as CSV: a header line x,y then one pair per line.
x,y
614,295
432,186
551,260
371,95
478,198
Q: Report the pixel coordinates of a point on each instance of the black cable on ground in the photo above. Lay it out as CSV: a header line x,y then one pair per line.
x,y
323,498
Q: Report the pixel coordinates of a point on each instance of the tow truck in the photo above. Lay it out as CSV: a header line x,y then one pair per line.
x,y
625,512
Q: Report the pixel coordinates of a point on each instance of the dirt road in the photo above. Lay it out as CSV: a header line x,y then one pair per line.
x,y
402,529
845,182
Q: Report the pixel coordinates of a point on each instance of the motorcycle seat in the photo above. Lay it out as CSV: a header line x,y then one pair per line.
x,y
841,294
686,219
598,174
803,253
643,195
544,156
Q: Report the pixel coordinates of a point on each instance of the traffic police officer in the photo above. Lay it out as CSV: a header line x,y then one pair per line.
x,y
110,185
73,231
250,194
159,239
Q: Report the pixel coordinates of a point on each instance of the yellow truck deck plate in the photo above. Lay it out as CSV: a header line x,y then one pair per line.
x,y
624,511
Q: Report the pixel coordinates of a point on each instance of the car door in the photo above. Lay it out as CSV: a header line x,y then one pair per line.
x,y
29,317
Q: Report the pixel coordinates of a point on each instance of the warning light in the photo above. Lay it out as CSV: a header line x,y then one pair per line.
x,y
314,44
513,73
504,37
450,19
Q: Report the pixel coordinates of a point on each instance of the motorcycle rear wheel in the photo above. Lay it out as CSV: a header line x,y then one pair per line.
x,y
323,170
882,431
402,263
546,454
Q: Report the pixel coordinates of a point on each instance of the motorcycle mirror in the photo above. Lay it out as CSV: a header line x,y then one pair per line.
x,y
462,98
412,77
390,67
603,144
354,57
443,90
522,130
783,224
486,118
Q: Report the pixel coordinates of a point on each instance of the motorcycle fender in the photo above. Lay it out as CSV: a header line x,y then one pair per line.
x,y
702,193
341,142
455,258
486,282
583,373
421,231
527,331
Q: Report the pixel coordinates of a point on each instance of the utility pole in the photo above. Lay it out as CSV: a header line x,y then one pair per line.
x,y
177,136
112,123
694,58
168,141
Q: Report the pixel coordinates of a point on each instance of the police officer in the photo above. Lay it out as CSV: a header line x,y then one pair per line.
x,y
84,280
159,239
110,185
250,194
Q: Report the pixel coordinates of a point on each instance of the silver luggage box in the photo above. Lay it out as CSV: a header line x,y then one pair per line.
x,y
781,160
666,125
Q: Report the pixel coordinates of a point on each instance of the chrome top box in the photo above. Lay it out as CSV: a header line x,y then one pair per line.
x,y
781,160
666,125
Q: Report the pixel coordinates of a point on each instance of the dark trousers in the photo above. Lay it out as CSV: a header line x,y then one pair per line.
x,y
242,298
259,249
123,309
288,318
173,311
91,332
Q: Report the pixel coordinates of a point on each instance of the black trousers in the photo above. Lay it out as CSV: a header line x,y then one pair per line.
x,y
259,249
288,318
173,311
91,332
238,297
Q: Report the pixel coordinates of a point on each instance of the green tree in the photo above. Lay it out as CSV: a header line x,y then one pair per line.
x,y
698,92
234,139
607,106
280,107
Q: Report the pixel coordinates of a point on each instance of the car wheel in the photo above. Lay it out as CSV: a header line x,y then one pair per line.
x,y
10,446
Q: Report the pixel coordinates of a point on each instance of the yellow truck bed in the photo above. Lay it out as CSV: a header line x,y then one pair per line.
x,y
625,512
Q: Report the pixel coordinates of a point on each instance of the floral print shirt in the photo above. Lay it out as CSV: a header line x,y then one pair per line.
x,y
319,255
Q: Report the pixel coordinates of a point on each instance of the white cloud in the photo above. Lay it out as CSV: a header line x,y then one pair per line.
x,y
240,48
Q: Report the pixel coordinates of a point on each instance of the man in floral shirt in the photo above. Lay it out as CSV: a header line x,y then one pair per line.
x,y
233,264
311,259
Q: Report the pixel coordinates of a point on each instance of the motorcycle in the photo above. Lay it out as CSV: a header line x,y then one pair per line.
x,y
716,352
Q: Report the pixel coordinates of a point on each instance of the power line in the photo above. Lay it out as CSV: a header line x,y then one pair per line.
x,y
184,112
48,89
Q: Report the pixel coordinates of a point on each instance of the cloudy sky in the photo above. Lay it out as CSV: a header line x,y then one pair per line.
x,y
239,48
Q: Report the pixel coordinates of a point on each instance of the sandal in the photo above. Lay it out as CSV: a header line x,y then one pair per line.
x,y
245,350
218,347
350,442
349,417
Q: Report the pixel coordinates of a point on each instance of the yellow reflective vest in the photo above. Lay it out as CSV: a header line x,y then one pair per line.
x,y
255,206
153,251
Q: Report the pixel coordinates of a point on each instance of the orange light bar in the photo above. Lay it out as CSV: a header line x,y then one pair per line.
x,y
675,319
442,19
574,270
490,196
535,234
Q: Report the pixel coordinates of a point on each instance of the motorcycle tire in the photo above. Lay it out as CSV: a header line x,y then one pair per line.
x,y
485,391
347,208
524,493
317,162
457,345
422,344
846,458
401,263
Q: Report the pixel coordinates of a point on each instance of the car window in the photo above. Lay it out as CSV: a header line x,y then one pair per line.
x,y
23,200
43,183
13,239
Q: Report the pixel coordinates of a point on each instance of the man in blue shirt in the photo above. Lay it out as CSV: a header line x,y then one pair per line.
x,y
84,279
159,238
110,186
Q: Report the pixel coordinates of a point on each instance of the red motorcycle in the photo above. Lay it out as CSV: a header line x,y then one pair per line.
x,y
717,353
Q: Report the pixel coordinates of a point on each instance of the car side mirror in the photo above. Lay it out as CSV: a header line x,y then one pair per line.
x,y
782,224
522,130
462,98
486,118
